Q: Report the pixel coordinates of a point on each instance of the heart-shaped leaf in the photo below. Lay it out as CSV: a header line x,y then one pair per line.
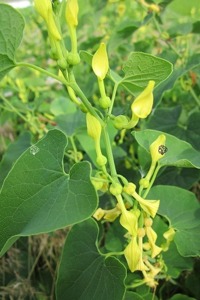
x,y
86,274
38,196
11,32
182,210
142,67
179,154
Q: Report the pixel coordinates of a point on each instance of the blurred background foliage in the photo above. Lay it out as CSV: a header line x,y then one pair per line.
x,y
31,104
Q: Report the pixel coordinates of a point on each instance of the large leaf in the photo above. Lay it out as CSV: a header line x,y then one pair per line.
x,y
167,120
86,274
142,67
13,152
182,210
11,32
38,196
180,153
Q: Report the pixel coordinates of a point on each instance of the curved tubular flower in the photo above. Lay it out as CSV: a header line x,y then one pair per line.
x,y
142,105
71,12
149,206
157,148
93,127
129,220
152,237
132,254
44,8
100,63
94,130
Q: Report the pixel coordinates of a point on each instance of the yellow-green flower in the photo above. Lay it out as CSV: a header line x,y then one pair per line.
x,y
149,206
93,127
71,12
94,130
44,8
158,148
129,220
169,236
99,214
142,105
152,237
100,63
132,254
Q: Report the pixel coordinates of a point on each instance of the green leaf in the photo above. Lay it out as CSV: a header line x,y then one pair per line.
x,y
141,67
11,33
179,154
70,123
167,119
193,62
38,196
187,8
132,295
6,64
62,106
86,274
182,210
13,152
181,297
175,262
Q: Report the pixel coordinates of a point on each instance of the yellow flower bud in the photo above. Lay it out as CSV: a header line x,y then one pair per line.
x,y
71,12
100,63
158,148
115,189
130,188
93,126
105,102
43,7
101,160
120,122
144,183
142,105
52,28
132,254
154,7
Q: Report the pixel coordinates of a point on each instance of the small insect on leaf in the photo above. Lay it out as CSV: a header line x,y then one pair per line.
x,y
162,149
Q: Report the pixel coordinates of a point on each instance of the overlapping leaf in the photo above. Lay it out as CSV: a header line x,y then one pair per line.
x,y
11,32
182,210
86,274
38,196
179,154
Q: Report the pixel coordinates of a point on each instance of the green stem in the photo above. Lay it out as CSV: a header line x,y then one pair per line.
x,y
109,153
168,43
113,253
113,98
195,96
85,101
152,180
102,88
31,66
